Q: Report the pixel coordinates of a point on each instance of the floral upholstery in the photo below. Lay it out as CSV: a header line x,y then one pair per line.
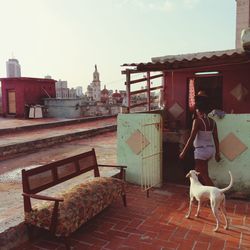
x,y
80,204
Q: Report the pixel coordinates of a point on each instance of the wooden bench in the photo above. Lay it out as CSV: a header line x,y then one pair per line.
x,y
66,212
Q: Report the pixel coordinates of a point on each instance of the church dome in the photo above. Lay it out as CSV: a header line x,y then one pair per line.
x,y
116,95
104,91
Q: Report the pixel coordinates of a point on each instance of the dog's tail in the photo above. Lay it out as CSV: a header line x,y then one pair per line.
x,y
230,184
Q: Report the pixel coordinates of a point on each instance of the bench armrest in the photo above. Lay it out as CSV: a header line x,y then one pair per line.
x,y
42,197
112,166
120,175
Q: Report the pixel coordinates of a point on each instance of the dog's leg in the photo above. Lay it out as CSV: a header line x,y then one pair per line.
x,y
215,212
224,212
190,207
198,208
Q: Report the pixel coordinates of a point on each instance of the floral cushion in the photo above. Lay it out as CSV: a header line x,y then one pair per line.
x,y
80,204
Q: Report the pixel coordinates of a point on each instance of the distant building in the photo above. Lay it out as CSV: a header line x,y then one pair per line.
x,y
48,77
72,93
111,92
123,92
21,93
94,89
79,92
61,84
62,90
117,98
13,68
104,95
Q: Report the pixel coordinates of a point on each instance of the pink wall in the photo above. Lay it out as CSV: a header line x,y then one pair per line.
x,y
28,91
176,83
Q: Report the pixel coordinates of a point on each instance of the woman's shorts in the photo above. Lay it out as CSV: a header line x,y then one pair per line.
x,y
204,153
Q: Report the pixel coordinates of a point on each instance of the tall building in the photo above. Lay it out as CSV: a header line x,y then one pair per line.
x,y
242,19
62,90
61,84
13,68
94,89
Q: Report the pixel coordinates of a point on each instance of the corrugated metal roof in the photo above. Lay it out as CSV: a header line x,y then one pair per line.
x,y
200,58
197,56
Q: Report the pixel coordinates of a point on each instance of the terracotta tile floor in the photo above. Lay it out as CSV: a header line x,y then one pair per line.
x,y
155,223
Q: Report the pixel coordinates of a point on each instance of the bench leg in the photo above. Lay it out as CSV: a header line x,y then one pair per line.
x,y
66,242
30,231
124,200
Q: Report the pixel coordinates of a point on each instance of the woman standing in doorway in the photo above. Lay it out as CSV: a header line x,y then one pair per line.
x,y
204,137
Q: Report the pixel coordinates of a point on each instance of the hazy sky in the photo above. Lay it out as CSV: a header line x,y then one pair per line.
x,y
66,38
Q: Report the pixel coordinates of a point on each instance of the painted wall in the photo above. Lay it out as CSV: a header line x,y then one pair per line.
x,y
63,108
234,137
175,90
29,91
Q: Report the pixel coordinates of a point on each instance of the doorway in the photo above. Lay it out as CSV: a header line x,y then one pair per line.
x,y
212,86
11,102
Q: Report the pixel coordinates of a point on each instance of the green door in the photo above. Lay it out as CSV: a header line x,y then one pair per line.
x,y
139,146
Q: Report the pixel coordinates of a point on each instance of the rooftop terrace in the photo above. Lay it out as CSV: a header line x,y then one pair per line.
x,y
156,223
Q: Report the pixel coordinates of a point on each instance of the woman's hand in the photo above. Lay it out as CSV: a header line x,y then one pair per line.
x,y
217,157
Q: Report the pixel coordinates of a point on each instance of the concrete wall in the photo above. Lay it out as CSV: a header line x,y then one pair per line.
x,y
63,108
234,136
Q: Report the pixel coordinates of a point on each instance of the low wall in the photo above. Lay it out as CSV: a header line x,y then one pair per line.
x,y
234,137
63,108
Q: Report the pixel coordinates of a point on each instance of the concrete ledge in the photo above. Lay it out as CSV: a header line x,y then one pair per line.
x,y
52,124
10,150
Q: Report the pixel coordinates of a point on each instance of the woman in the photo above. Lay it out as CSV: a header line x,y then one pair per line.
x,y
204,137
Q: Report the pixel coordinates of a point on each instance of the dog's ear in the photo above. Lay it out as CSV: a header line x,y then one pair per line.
x,y
188,175
197,173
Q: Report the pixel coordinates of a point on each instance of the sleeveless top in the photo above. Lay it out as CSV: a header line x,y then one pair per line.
x,y
204,138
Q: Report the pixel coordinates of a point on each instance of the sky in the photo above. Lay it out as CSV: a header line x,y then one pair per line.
x,y
66,38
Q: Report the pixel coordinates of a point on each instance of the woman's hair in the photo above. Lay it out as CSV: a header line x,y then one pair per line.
x,y
202,103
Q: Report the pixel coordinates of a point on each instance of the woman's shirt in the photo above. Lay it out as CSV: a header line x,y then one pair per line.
x,y
204,138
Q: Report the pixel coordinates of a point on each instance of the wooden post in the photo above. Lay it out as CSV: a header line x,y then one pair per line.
x,y
128,89
148,90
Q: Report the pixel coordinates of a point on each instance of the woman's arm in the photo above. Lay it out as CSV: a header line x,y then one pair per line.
x,y
191,138
216,142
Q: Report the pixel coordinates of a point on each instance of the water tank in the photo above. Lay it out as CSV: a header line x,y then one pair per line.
x,y
245,39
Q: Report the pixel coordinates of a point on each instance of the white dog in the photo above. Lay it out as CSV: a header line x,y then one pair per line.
x,y
214,194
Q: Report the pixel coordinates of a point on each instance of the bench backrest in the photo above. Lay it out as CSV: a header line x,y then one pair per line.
x,y
46,176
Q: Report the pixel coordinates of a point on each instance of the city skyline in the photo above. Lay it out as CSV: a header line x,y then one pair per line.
x,y
65,39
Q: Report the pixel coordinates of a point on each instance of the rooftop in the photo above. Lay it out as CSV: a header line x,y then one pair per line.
x,y
157,223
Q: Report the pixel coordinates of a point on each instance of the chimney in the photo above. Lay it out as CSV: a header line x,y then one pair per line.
x,y
242,19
